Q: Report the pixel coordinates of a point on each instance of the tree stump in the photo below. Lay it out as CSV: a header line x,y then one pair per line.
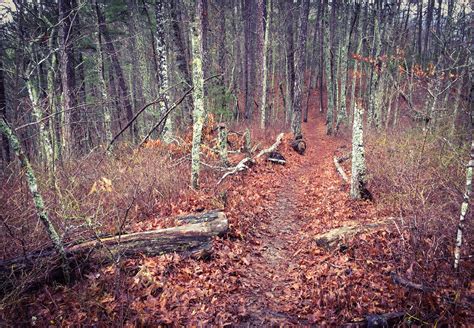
x,y
298,145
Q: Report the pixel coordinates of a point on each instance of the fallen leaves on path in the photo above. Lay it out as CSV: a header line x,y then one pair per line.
x,y
267,271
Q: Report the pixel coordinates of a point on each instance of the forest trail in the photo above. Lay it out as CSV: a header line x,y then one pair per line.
x,y
274,271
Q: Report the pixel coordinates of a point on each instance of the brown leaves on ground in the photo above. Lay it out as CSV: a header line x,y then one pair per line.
x,y
268,270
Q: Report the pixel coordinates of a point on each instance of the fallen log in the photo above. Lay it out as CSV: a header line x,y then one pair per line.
x,y
244,164
332,238
272,148
247,162
340,170
192,238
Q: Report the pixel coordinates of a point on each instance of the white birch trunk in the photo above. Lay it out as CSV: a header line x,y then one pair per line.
x,y
358,179
198,92
464,208
263,116
161,53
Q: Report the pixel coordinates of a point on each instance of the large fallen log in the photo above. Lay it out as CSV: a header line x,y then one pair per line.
x,y
192,238
334,237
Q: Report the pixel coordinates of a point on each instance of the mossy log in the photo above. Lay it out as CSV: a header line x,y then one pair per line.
x,y
194,237
332,238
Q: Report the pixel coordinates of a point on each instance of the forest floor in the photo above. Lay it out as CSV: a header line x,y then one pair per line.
x,y
268,270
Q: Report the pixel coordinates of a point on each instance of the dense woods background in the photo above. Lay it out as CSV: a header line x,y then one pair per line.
x,y
117,107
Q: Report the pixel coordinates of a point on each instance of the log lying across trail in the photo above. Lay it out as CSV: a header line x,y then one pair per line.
x,y
334,237
245,163
194,237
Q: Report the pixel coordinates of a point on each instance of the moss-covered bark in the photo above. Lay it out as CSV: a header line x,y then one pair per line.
x,y
161,53
358,179
198,92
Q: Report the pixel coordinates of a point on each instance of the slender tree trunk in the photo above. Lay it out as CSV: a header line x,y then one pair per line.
x,y
198,92
3,112
358,179
358,52
327,71
67,77
263,109
107,116
7,131
247,17
161,52
46,150
300,68
464,206
344,48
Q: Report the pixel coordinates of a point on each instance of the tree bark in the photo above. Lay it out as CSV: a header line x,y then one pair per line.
x,y
3,112
263,104
198,92
464,205
161,53
327,72
358,171
300,68
67,77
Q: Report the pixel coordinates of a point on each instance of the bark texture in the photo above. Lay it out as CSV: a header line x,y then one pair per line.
x,y
198,92
358,179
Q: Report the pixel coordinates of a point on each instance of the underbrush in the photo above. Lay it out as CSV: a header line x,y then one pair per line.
x,y
99,194
418,176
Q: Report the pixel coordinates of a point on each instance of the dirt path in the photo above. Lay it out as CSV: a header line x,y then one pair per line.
x,y
274,272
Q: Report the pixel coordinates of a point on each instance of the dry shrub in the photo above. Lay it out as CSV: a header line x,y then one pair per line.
x,y
98,194
418,176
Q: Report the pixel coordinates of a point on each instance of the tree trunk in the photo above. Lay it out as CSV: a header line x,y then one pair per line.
x,y
465,203
3,112
327,72
161,53
290,59
358,172
263,104
107,117
198,92
344,50
40,207
300,68
68,82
